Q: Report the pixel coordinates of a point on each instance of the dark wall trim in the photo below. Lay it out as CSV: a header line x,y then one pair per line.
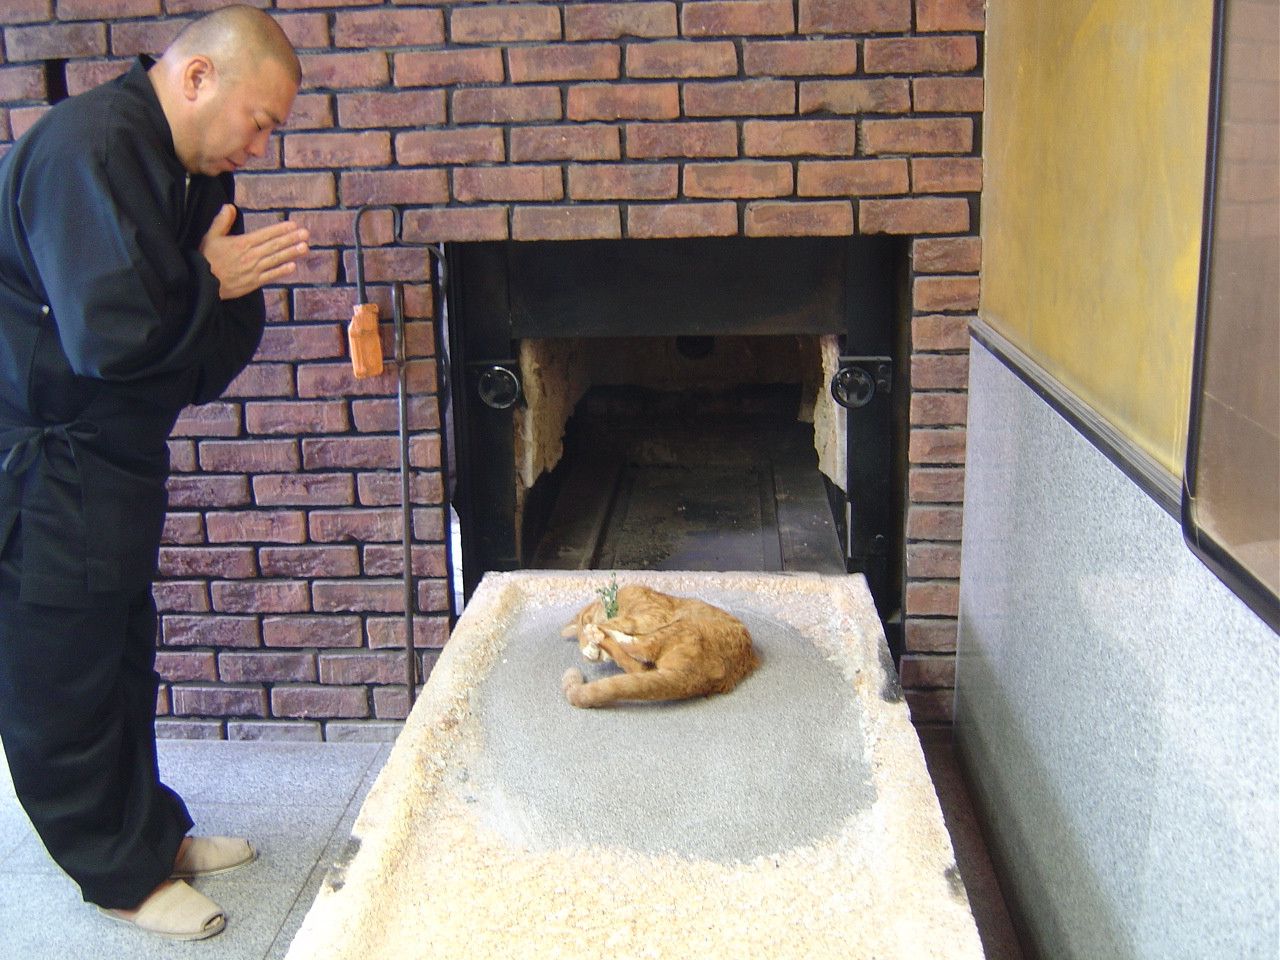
x,y
1139,466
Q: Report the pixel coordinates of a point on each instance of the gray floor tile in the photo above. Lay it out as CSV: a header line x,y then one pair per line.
x,y
260,772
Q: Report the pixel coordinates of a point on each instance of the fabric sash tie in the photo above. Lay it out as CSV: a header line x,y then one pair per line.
x,y
22,445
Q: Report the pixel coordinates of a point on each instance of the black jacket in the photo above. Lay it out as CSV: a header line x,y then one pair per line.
x,y
110,324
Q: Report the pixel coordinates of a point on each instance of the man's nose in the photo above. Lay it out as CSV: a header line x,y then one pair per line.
x,y
258,145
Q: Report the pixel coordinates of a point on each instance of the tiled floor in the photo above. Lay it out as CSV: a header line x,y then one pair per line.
x,y
298,802
295,801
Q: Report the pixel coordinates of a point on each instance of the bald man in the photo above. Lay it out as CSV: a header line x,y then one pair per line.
x,y
128,290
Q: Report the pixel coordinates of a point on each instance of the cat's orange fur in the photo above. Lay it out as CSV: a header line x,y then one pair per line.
x,y
670,648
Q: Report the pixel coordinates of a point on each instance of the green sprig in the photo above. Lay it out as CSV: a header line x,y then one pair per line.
x,y
609,597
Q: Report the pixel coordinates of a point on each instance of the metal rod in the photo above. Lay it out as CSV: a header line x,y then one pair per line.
x,y
395,234
406,503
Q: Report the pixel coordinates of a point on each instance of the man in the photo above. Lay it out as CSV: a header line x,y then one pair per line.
x,y
128,290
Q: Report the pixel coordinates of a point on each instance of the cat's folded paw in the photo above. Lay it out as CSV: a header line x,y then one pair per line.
x,y
572,679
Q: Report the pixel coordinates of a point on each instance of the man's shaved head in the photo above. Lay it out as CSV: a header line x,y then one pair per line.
x,y
236,39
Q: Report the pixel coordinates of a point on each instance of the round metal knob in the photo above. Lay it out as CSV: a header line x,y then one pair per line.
x,y
852,387
499,387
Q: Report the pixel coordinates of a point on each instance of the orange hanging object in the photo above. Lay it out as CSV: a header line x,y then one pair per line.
x,y
366,344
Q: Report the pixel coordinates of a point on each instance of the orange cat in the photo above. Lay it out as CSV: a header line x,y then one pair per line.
x,y
671,648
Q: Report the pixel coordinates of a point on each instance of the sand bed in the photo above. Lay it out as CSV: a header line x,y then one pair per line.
x,y
791,818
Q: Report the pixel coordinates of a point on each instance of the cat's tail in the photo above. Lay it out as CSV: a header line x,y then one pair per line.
x,y
656,684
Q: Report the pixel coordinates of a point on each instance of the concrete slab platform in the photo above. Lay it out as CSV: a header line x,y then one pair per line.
x,y
793,817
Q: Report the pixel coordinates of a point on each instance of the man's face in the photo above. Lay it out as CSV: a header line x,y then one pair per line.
x,y
235,117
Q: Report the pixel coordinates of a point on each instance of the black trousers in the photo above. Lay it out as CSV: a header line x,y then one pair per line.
x,y
77,718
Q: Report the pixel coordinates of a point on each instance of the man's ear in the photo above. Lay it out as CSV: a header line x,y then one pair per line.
x,y
198,77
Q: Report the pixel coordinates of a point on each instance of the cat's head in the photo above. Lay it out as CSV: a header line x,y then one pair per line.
x,y
593,612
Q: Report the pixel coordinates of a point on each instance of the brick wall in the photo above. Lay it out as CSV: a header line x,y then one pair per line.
x,y
280,589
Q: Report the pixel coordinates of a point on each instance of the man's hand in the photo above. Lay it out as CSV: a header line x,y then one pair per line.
x,y
246,262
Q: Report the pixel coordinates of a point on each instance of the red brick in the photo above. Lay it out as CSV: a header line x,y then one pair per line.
x,y
933,597
750,98
22,119
780,138
855,16
939,371
940,332
181,596
682,58
624,101
309,561
720,18
481,223
342,71
688,139
612,21
147,36
21,83
296,342
383,489
399,263
920,55
744,178
506,105
930,635
249,456
219,701
388,28
208,420
884,95
353,668
182,456
945,293
586,142
933,560
650,221
321,632
859,178
936,446
433,595
936,485
923,215
933,523
350,453
306,31
298,4
388,561
338,379
947,94
578,61
313,111
624,181
946,15
358,596
396,108
305,701
771,218
566,223
947,255
784,58
229,563
928,671
427,147
506,23
268,191
55,41
257,526
84,75
371,148
266,667
939,408
303,489
186,666
387,632
441,68
260,596
183,528
508,183
949,175
262,380
207,491
329,526
390,703
920,135
395,186
26,11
